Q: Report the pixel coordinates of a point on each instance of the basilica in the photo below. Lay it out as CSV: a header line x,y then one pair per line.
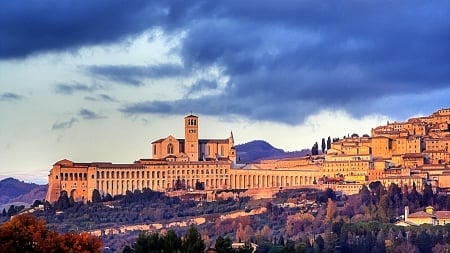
x,y
415,152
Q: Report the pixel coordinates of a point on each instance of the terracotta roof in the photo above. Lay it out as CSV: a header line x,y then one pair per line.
x,y
442,214
213,140
401,177
413,155
420,214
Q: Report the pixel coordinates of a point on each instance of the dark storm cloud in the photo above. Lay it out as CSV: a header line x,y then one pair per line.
x,y
8,96
283,60
69,89
287,60
64,124
88,114
135,75
28,27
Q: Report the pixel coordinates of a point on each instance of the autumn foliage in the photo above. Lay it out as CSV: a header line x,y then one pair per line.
x,y
25,233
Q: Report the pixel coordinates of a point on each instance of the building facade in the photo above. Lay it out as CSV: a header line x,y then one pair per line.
x,y
405,153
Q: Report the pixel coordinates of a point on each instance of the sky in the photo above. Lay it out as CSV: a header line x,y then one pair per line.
x,y
100,80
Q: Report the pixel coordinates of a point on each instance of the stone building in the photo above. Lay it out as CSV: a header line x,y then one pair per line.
x,y
189,163
418,148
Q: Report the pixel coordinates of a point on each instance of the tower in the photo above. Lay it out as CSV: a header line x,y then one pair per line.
x,y
232,151
191,137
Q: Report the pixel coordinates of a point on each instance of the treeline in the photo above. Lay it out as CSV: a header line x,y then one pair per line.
x,y
386,205
325,145
382,237
191,242
138,207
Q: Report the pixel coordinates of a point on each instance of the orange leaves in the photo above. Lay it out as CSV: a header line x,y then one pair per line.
x,y
25,233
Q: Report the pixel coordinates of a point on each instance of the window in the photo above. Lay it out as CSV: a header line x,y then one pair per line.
x,y
170,148
154,149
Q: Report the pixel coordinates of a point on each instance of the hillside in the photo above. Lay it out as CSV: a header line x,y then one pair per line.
x,y
256,150
13,190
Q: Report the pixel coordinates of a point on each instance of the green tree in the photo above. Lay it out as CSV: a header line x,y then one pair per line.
x,y
301,248
427,196
328,143
148,243
4,212
223,245
281,241
193,242
127,249
63,201
171,242
323,146
37,203
319,244
11,211
423,242
315,149
96,198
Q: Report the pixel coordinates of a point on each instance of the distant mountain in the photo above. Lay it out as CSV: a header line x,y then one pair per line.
x,y
256,150
13,190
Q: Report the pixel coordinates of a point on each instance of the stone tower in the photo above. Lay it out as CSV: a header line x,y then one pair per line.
x,y
191,137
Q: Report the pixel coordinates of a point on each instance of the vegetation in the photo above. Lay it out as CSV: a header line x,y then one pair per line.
x,y
25,233
321,221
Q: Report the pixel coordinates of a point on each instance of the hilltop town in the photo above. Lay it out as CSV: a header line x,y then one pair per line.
x,y
414,152
359,187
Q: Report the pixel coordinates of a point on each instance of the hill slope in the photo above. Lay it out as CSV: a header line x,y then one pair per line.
x,y
256,150
13,190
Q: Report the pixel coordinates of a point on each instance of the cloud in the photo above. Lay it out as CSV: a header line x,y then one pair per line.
x,y
290,60
282,61
88,114
29,27
69,89
7,96
100,98
64,124
135,75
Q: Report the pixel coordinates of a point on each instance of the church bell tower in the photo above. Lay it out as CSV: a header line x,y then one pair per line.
x,y
191,137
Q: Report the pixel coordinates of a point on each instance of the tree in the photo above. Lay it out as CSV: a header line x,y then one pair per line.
x,y
315,149
193,242
323,146
25,233
319,243
171,242
11,211
281,240
244,232
4,212
199,185
427,196
264,234
96,198
127,249
148,243
330,209
328,143
37,203
223,245
424,242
